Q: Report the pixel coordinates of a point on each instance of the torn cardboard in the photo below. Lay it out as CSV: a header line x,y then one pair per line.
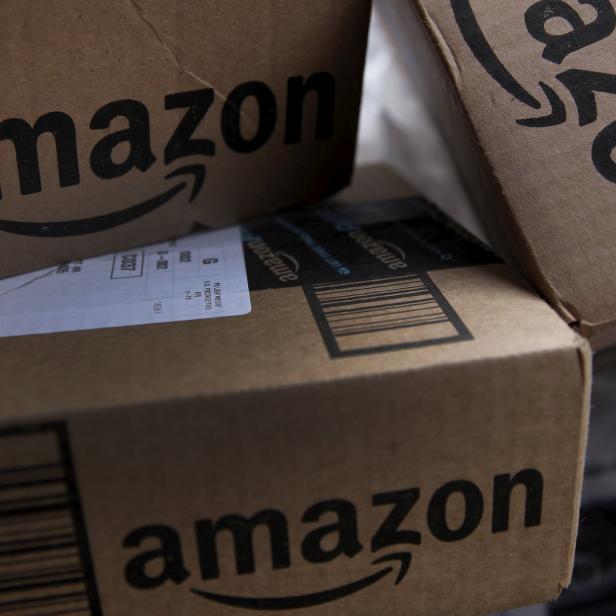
x,y
398,427
523,93
126,123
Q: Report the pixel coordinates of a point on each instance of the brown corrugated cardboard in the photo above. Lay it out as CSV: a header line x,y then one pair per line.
x,y
128,121
397,428
523,94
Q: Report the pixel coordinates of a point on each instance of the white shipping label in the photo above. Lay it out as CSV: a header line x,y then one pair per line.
x,y
199,276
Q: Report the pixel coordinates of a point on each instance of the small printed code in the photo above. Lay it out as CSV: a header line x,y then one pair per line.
x,y
384,314
45,568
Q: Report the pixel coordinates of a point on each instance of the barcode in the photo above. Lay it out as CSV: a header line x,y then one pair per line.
x,y
384,314
45,566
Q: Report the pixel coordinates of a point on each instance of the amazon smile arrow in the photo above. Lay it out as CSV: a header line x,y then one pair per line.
x,y
313,599
96,224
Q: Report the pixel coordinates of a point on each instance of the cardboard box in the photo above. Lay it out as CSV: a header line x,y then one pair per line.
x,y
523,93
398,427
127,122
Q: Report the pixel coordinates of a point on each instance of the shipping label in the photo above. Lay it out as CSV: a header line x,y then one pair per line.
x,y
200,276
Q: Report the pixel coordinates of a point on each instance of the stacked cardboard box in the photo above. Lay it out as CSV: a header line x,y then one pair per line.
x,y
523,94
384,418
397,426
129,121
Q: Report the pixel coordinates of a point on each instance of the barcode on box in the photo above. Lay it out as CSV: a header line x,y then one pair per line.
x,y
45,565
385,314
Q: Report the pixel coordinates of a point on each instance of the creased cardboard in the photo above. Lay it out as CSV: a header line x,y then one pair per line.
x,y
396,428
129,121
523,92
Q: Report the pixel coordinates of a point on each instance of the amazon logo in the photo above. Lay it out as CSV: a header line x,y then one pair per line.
x,y
387,253
118,153
330,531
546,103
284,266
